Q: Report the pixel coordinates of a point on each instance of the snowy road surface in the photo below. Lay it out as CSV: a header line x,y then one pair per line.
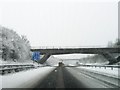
x,y
95,78
72,77
25,79
63,77
108,71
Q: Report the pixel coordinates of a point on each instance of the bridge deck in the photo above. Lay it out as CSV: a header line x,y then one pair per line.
x,y
56,51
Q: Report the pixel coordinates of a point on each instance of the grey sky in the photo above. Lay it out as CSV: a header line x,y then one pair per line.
x,y
62,22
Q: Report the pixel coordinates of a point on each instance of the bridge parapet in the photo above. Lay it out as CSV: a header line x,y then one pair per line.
x,y
62,47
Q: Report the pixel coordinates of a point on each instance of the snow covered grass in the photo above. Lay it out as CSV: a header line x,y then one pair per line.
x,y
25,79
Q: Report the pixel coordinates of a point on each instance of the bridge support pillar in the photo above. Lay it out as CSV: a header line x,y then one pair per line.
x,y
110,58
45,57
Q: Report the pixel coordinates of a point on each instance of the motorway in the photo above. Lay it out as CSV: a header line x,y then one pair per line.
x,y
72,77
60,77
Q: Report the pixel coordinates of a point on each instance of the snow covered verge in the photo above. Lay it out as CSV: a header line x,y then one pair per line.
x,y
25,79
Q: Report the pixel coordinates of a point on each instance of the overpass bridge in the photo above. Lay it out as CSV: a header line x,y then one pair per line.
x,y
105,51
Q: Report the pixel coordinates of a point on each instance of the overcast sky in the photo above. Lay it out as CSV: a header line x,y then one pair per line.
x,y
62,22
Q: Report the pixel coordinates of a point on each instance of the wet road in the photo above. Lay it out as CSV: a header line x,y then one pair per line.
x,y
60,78
71,77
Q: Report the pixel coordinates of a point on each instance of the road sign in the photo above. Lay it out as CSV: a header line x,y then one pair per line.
x,y
36,56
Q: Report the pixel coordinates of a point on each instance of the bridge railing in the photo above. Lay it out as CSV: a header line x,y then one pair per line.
x,y
61,47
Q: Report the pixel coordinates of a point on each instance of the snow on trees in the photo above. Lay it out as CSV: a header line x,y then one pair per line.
x,y
13,46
